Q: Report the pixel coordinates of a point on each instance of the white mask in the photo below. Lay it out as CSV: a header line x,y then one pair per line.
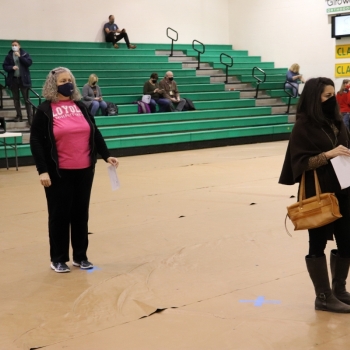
x,y
15,48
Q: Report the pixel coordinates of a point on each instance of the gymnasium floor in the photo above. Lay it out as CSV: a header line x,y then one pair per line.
x,y
190,253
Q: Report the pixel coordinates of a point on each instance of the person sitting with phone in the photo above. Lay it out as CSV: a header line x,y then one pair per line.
x,y
151,87
293,79
92,96
110,31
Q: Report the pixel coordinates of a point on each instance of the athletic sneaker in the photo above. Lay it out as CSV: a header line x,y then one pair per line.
x,y
84,264
60,267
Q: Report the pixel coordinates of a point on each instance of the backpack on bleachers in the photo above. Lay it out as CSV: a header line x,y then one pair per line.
x,y
142,107
189,106
112,108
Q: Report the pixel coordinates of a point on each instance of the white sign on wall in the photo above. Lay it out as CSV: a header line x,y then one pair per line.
x,y
334,7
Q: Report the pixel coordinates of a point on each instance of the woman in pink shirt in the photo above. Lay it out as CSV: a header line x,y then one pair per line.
x,y
64,142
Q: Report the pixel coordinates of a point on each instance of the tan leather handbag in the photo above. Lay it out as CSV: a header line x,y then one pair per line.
x,y
313,212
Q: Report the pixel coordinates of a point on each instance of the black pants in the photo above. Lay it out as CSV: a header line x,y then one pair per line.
x,y
340,228
114,38
68,200
16,86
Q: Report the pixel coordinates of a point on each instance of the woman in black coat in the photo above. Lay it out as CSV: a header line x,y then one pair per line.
x,y
65,141
319,135
16,64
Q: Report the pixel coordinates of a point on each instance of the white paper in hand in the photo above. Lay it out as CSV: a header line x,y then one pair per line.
x,y
113,177
341,166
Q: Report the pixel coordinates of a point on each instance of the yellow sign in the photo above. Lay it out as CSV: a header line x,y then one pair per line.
x,y
342,51
342,70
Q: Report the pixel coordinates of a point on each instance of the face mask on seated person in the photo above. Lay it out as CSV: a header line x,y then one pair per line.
x,y
65,89
171,78
15,48
328,106
154,81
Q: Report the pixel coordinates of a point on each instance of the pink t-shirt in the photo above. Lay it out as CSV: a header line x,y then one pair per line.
x,y
72,134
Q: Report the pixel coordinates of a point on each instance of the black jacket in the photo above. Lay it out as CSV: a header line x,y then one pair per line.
x,y
307,140
26,62
43,145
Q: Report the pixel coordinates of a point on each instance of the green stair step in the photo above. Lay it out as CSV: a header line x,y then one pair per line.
x,y
293,100
269,78
183,116
248,71
216,60
156,128
81,52
201,105
152,140
83,73
236,66
276,93
70,59
152,66
137,81
217,53
270,85
77,44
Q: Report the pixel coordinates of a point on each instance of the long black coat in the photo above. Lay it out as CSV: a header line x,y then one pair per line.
x,y
26,62
307,140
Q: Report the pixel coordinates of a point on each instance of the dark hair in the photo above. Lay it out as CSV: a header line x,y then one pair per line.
x,y
154,75
109,17
15,41
310,104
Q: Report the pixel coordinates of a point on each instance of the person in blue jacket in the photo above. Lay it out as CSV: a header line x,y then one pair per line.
x,y
293,79
16,64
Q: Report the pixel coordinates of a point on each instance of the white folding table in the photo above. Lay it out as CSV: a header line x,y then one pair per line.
x,y
4,136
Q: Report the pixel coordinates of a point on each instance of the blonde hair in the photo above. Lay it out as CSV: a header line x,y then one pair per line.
x,y
50,86
342,88
294,68
92,79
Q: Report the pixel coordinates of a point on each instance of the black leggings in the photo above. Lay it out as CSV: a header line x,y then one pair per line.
x,y
340,228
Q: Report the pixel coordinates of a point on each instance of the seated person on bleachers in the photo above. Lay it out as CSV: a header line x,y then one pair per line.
x,y
171,92
92,96
151,87
110,30
294,78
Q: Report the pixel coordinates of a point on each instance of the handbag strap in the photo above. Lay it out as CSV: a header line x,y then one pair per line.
x,y
285,226
302,194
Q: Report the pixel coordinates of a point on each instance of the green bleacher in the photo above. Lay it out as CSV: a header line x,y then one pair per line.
x,y
220,115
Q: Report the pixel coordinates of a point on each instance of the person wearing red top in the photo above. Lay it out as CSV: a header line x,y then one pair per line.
x,y
343,98
64,142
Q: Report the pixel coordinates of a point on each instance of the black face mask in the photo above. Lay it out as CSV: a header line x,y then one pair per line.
x,y
94,83
154,81
328,106
171,79
65,89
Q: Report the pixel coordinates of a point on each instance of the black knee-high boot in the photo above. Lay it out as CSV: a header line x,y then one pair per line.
x,y
325,300
340,270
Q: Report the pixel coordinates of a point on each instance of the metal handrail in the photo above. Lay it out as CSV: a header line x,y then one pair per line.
x,y
199,52
1,95
172,39
259,81
290,95
226,64
34,108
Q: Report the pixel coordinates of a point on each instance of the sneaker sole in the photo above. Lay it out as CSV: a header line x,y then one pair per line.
x,y
84,268
58,271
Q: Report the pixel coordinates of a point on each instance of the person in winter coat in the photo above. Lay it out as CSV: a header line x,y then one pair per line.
x,y
65,141
92,96
16,64
319,135
343,98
